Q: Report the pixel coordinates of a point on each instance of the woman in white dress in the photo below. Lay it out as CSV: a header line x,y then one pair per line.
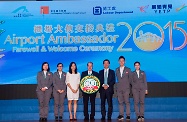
x,y
72,81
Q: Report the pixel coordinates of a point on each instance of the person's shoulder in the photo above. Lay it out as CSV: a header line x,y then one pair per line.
x,y
117,68
101,70
141,71
63,72
127,68
84,72
78,73
111,70
39,73
94,72
49,73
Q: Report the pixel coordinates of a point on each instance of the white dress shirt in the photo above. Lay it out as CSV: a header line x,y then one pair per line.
x,y
138,73
60,73
121,70
89,72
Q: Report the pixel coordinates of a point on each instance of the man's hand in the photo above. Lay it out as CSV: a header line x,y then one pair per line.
x,y
43,89
105,87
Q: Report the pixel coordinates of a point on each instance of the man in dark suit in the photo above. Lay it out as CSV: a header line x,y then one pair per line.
x,y
87,97
107,80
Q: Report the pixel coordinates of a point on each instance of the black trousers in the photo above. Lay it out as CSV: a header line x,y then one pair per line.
x,y
86,98
106,95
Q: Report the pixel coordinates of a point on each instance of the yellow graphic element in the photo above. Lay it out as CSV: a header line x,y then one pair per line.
x,y
148,41
90,84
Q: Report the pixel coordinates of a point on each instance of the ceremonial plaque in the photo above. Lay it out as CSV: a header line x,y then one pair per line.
x,y
90,84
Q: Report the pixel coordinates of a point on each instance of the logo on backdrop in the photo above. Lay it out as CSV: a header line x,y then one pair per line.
x,y
47,10
21,12
181,8
98,10
1,32
162,8
143,8
148,41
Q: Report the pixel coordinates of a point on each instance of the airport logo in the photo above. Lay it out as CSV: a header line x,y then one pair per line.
x,y
143,8
181,8
108,10
2,30
162,8
21,12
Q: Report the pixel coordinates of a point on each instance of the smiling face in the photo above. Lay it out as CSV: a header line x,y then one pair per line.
x,y
59,67
73,67
45,67
121,62
106,64
137,66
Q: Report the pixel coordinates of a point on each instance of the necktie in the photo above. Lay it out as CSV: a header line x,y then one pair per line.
x,y
89,73
105,77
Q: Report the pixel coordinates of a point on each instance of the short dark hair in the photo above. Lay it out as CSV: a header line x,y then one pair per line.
x,y
121,57
70,71
59,64
90,62
44,64
137,62
106,60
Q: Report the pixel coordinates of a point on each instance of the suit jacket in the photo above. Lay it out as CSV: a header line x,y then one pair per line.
x,y
139,83
44,82
110,80
59,83
85,73
124,81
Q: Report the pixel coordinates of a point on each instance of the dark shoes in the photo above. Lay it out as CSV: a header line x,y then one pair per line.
x,y
56,118
120,117
43,119
142,117
86,118
139,119
128,118
103,118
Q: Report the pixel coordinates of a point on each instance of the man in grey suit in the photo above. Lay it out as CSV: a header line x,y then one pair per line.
x,y
59,91
123,75
139,89
44,90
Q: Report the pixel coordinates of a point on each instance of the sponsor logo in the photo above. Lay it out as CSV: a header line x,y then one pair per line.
x,y
48,10
2,30
21,12
162,8
143,8
181,8
44,10
98,10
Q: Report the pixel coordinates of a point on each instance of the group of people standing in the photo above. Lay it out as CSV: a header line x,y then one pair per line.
x,y
62,84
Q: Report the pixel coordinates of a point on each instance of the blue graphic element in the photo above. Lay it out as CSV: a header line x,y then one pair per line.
x,y
23,8
161,65
97,10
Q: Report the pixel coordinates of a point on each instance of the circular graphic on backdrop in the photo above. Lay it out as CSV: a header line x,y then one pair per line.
x,y
148,41
90,84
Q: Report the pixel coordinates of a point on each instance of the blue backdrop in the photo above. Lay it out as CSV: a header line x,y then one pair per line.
x,y
81,31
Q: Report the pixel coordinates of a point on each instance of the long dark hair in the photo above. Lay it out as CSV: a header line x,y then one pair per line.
x,y
70,71
43,65
59,64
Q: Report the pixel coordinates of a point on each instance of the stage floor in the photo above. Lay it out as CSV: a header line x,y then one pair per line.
x,y
113,120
